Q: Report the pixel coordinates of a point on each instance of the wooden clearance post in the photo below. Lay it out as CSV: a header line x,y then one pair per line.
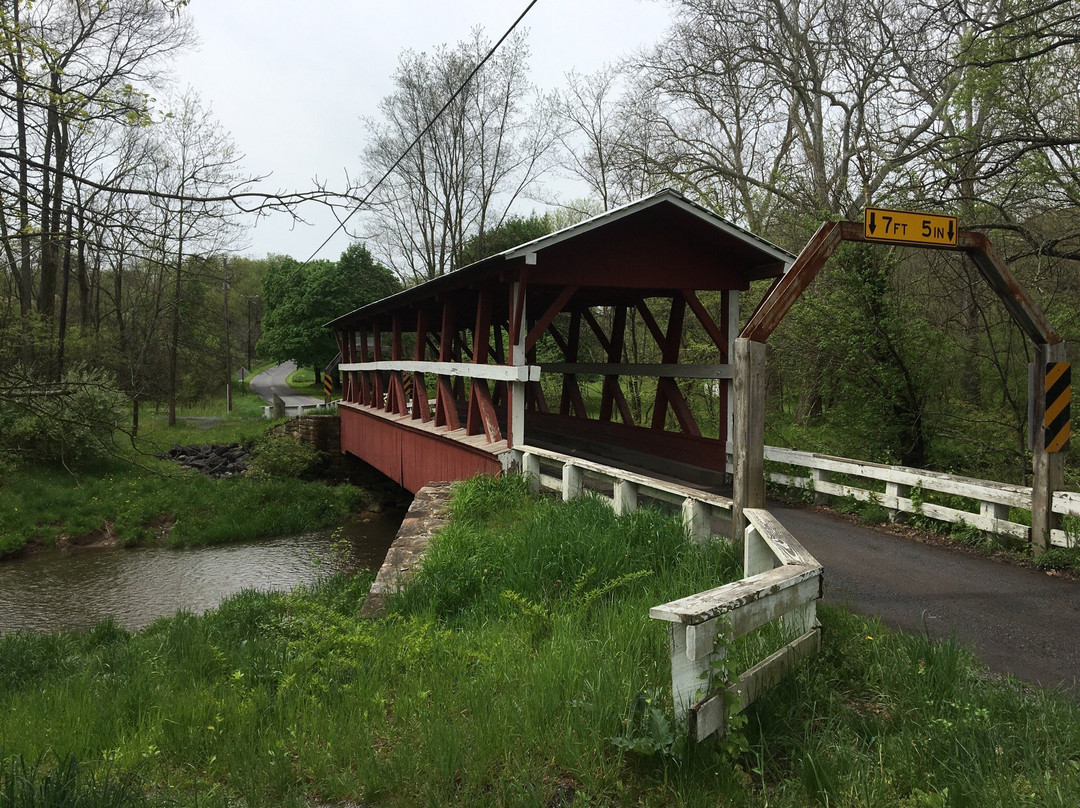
x,y
927,230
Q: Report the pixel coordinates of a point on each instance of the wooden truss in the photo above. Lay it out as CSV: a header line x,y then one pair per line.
x,y
474,362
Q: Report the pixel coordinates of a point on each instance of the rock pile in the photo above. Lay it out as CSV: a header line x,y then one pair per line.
x,y
215,460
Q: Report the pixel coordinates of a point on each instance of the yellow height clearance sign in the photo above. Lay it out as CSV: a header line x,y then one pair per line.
x,y
1056,425
907,227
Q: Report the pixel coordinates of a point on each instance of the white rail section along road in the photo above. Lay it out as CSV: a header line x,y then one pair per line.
x,y
783,583
992,499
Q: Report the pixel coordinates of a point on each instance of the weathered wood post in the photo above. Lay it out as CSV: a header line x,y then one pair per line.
x,y
748,444
515,403
1048,468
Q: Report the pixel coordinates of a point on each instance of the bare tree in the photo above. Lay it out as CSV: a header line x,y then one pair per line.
x,y
196,159
460,179
608,136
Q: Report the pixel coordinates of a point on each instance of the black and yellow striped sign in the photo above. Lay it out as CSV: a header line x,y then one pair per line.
x,y
1056,422
328,384
407,383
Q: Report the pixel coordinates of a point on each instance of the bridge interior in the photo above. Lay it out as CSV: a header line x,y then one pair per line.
x,y
609,340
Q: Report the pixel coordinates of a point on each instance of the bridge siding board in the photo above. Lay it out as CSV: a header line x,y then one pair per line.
x,y
413,454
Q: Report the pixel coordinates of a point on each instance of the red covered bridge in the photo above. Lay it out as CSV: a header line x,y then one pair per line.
x,y
445,379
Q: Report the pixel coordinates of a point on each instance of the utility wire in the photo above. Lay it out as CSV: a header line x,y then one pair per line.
x,y
419,137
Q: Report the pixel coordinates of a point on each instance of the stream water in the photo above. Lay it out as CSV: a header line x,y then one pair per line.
x,y
53,591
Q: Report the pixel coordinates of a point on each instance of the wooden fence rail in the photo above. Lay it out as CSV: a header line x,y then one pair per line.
x,y
783,582
697,507
992,499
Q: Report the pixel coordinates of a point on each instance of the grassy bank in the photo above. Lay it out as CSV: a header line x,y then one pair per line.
x,y
134,496
304,382
520,669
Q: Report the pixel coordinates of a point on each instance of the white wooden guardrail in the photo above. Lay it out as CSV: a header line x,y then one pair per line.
x,y
783,581
994,499
697,507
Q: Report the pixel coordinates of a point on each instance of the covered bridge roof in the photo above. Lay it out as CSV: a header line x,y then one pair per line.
x,y
657,244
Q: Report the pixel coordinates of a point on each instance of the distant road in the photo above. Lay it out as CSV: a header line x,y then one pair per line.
x,y
273,381
1019,620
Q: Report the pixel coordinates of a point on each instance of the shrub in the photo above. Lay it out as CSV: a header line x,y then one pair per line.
x,y
278,456
58,422
1059,558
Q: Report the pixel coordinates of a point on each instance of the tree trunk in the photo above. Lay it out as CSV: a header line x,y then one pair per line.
x,y
174,341
25,276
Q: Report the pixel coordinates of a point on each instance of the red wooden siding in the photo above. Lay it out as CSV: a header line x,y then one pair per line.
x,y
409,456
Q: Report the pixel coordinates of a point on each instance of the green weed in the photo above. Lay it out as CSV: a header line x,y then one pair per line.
x,y
1059,558
65,783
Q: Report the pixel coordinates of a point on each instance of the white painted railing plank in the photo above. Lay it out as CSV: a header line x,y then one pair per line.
x,y
756,600
1061,538
506,373
1067,503
783,545
984,490
930,509
773,668
649,486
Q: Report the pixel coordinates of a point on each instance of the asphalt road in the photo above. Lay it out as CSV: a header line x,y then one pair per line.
x,y
272,381
1020,621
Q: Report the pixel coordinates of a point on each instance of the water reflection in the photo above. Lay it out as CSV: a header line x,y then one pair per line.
x,y
78,588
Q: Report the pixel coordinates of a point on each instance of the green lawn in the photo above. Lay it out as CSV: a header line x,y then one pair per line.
x,y
520,669
303,381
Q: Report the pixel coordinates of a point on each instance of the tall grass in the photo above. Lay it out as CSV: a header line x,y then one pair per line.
x,y
502,676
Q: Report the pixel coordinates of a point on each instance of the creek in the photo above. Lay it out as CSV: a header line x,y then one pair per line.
x,y
77,588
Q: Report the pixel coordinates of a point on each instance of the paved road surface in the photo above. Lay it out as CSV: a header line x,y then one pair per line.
x,y
1020,621
273,381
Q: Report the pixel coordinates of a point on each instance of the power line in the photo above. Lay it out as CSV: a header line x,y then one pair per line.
x,y
419,137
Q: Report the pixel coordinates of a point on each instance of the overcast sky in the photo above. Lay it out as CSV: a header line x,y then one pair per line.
x,y
291,82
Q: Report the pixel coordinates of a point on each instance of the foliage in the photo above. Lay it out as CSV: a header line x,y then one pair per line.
x,y
649,730
63,422
481,555
281,456
514,231
301,298
1059,558
875,373
870,512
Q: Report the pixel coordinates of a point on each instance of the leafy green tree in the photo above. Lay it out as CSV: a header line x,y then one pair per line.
x,y
301,298
514,231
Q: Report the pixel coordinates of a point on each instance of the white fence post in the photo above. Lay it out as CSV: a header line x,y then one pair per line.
x,y
896,490
692,656
625,497
757,555
530,467
571,481
820,476
995,511
695,518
